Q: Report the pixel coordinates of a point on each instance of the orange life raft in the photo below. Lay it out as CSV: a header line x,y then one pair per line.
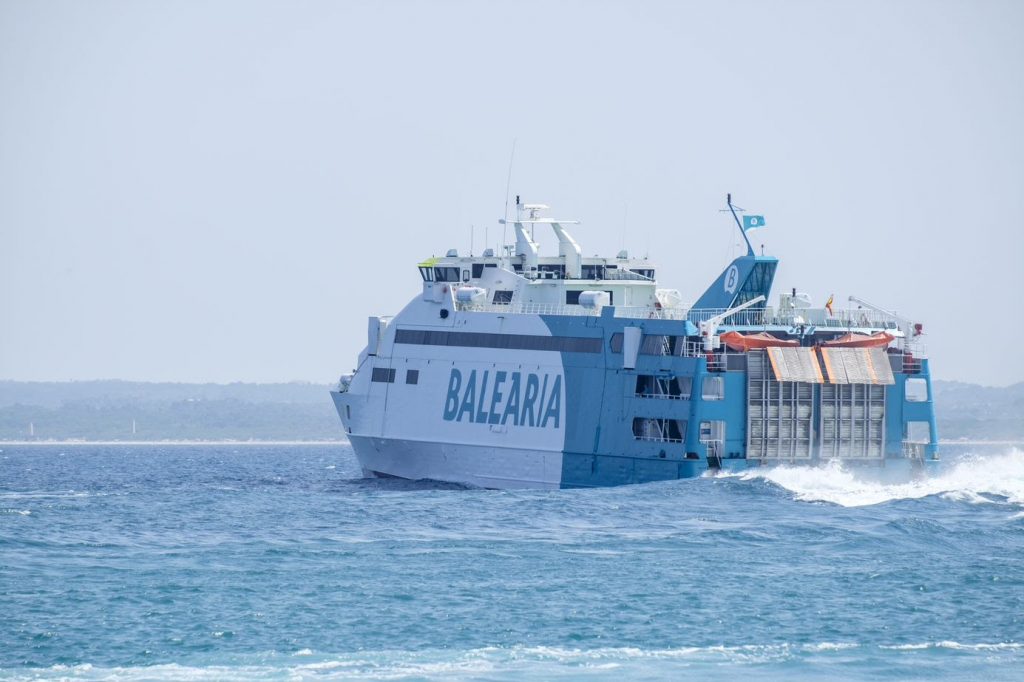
x,y
852,340
745,342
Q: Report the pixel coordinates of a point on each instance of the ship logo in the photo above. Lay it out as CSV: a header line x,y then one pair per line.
x,y
732,277
522,398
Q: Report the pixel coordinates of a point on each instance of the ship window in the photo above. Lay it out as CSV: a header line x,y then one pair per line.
x,y
465,275
685,387
655,344
561,344
490,265
552,271
714,388
711,431
572,297
659,430
917,390
478,270
502,296
412,376
427,274
659,386
652,344
663,386
446,274
383,375
592,272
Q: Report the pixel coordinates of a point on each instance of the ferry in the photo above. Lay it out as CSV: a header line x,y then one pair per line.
x,y
522,370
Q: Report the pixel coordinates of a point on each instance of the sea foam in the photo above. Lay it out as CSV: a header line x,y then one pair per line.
x,y
971,478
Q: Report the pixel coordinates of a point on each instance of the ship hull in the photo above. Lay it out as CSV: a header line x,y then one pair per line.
x,y
467,464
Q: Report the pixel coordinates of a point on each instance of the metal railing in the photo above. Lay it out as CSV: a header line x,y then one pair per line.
x,y
664,396
914,449
648,313
659,439
752,317
529,309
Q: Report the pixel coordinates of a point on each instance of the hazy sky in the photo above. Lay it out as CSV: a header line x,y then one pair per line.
x,y
224,191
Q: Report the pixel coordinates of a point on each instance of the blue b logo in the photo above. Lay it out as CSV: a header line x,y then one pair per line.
x,y
731,277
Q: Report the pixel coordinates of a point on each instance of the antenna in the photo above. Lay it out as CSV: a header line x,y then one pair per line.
x,y
471,230
508,185
733,209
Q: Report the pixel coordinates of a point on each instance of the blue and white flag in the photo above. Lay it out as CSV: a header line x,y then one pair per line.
x,y
752,221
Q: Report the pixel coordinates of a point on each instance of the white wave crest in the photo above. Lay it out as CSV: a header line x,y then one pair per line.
x,y
957,646
530,662
971,478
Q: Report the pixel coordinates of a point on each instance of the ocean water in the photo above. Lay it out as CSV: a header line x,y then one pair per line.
x,y
221,562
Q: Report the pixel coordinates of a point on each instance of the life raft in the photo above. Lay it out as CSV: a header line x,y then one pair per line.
x,y
855,340
745,342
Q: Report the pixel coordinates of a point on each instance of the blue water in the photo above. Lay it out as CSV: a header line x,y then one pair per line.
x,y
279,562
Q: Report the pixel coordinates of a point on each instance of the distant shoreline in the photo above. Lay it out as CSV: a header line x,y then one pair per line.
x,y
335,442
173,442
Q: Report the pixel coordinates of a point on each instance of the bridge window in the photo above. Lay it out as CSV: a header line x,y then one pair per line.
x,y
427,274
478,270
446,274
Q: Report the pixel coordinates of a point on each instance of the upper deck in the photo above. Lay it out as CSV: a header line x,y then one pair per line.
x,y
522,282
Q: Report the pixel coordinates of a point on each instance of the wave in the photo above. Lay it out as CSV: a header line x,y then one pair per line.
x,y
970,478
528,661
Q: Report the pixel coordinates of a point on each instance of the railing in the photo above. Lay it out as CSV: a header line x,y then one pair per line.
x,y
612,274
911,364
648,313
622,274
752,317
818,317
659,439
529,309
913,449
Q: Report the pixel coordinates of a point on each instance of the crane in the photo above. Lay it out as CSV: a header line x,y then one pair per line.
x,y
709,327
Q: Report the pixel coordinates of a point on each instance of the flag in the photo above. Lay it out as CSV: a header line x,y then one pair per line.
x,y
752,221
828,305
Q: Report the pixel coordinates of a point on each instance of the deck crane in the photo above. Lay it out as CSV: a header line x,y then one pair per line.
x,y
709,327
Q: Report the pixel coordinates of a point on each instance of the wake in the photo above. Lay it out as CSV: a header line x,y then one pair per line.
x,y
970,478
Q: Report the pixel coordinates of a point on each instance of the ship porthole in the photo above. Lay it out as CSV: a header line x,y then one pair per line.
x,y
444,313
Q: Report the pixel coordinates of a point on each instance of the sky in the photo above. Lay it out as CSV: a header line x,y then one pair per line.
x,y
225,191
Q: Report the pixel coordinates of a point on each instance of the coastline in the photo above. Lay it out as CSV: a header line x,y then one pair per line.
x,y
338,441
173,442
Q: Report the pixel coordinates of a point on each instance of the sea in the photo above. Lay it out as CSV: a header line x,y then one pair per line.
x,y
281,562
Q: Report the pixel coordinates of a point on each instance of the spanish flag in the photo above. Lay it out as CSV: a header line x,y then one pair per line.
x,y
828,305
